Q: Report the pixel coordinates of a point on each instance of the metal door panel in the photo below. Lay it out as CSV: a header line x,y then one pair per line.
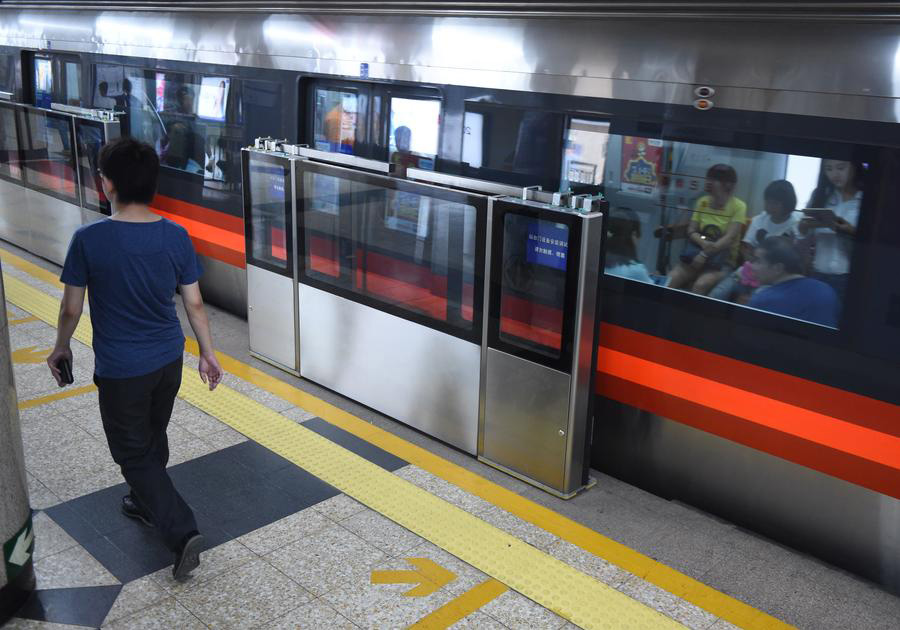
x,y
14,224
52,222
270,316
528,408
418,375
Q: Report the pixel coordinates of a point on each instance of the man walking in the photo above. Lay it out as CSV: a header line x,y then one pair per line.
x,y
132,263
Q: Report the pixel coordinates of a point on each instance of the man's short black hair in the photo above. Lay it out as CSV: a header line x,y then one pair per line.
x,y
133,168
782,191
781,250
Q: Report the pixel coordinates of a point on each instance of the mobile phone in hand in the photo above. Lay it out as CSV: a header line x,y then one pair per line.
x,y
65,369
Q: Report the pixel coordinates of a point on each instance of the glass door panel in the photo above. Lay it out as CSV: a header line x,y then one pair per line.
x,y
89,135
409,249
533,276
268,223
49,158
10,166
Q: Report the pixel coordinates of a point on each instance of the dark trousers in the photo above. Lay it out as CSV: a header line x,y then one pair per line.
x,y
135,413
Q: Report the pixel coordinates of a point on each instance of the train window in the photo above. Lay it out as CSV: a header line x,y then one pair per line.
x,y
414,129
89,136
10,166
771,231
336,122
8,72
513,145
426,269
49,161
585,153
71,84
43,81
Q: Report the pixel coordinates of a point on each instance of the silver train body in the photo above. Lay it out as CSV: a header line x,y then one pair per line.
x,y
845,71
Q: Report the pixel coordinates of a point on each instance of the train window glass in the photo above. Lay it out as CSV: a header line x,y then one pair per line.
x,y
585,153
427,268
89,136
771,231
8,72
108,84
43,81
268,227
414,128
72,87
517,146
9,143
336,120
532,283
49,158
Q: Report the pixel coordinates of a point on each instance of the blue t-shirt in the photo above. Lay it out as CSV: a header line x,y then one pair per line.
x,y
131,271
804,298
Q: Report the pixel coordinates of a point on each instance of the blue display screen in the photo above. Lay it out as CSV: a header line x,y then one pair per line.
x,y
548,244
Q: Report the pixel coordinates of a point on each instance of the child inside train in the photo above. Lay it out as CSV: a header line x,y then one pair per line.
x,y
713,234
779,219
623,231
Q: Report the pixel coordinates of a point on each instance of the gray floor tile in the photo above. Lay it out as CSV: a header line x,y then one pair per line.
x,y
165,615
516,611
326,559
340,507
383,605
135,596
244,597
285,531
71,568
49,538
312,616
382,532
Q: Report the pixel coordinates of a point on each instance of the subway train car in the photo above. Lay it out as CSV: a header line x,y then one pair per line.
x,y
750,335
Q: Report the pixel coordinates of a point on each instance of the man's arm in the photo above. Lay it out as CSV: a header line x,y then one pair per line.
x,y
210,370
69,313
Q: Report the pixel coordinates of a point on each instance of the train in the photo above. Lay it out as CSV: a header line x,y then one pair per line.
x,y
712,131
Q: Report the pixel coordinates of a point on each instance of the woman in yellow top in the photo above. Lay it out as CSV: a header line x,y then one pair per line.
x,y
713,235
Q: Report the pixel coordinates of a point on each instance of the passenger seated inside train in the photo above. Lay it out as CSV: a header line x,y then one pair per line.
x,y
779,218
778,267
831,219
623,231
713,234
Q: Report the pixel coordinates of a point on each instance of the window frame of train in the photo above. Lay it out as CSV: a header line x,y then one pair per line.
x,y
548,175
11,59
363,145
417,93
600,120
60,65
682,304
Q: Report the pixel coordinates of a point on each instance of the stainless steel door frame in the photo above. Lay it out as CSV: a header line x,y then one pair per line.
x,y
536,401
371,347
272,291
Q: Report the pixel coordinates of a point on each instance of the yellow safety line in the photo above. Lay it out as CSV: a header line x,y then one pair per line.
x,y
66,393
461,607
715,602
539,576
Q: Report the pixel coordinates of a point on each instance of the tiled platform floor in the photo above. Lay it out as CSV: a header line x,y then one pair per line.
x,y
288,551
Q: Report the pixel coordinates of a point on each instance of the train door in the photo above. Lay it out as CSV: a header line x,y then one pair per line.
x,y
391,292
269,219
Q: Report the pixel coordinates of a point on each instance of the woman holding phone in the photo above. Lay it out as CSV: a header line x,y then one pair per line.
x,y
830,220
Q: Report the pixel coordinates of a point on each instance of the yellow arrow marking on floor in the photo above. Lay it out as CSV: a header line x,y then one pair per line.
x,y
462,606
429,576
31,354
66,393
23,320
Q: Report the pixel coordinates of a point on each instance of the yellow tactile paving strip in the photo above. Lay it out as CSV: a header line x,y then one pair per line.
x,y
537,575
